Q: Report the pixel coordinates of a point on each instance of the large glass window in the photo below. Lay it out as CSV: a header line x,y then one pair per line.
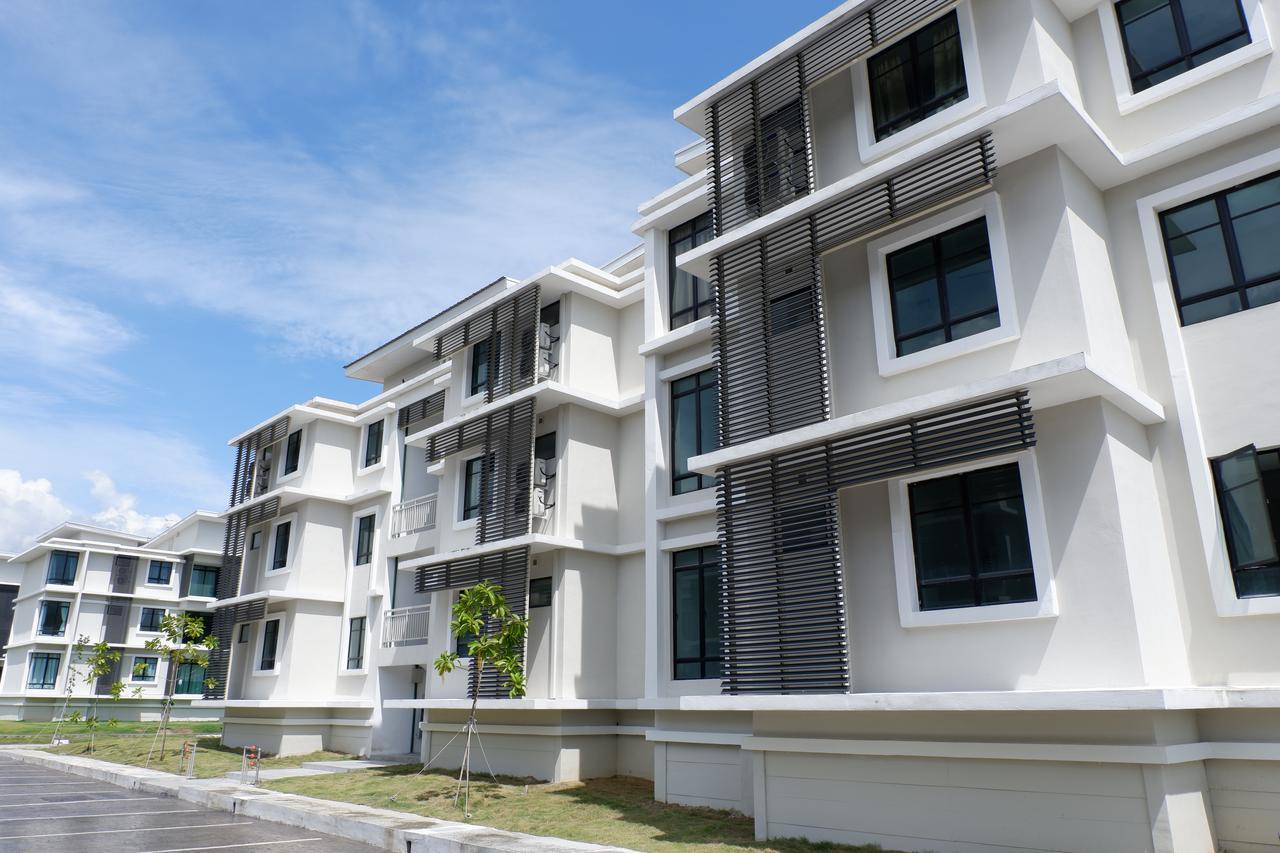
x,y
695,595
1249,500
270,638
144,668
159,572
691,297
190,679
62,567
1223,253
695,411
969,534
280,552
472,474
1163,38
943,288
43,673
917,76
364,540
151,619
373,444
292,451
53,618
355,643
204,581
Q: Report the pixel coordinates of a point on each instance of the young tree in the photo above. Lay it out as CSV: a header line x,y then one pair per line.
x,y
478,607
97,660
182,640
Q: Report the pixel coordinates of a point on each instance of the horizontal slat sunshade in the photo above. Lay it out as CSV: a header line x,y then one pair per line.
x,y
506,482
420,410
224,621
782,577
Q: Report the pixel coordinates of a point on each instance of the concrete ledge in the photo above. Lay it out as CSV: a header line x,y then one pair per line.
x,y
389,830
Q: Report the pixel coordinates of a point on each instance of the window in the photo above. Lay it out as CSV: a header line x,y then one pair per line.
x,y
280,554
481,358
695,596
462,645
695,410
270,636
144,668
243,636
159,572
204,581
778,170
916,77
151,618
942,288
791,311
190,679
472,473
53,618
62,567
970,540
1248,483
373,444
540,592
1163,38
364,540
691,297
255,539
292,451
1222,250
43,674
355,643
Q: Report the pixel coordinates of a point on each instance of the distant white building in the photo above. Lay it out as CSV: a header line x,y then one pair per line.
x,y
78,581
914,482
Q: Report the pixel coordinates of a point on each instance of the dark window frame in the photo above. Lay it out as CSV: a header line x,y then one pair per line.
x,y
1242,570
199,571
483,354
279,561
708,564
1240,285
373,434
270,631
48,681
64,607
292,452
919,110
166,567
364,539
151,625
57,569
701,383
153,668
541,592
461,645
975,578
184,681
242,636
695,232
355,642
1186,53
472,504
772,160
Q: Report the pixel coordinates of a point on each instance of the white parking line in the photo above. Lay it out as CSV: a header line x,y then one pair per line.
x,y
229,846
68,802
108,831
97,816
59,793
39,782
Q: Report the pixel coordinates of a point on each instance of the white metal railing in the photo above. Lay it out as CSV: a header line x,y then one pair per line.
x,y
406,626
413,516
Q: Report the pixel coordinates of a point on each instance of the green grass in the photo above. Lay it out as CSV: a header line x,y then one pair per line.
x,y
33,731
212,759
619,811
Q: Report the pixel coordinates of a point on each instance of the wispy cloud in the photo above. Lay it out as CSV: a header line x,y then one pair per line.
x,y
120,509
27,508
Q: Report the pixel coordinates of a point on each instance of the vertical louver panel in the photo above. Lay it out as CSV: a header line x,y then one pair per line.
x,y
512,324
506,492
124,573
758,135
225,620
782,578
508,570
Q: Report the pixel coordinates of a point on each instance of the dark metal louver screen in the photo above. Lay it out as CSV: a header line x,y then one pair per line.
x,y
238,524
758,135
225,620
508,570
102,685
184,583
770,338
124,573
420,410
249,455
115,622
782,578
513,325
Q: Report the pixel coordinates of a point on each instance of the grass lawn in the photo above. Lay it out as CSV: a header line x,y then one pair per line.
x,y
619,811
212,759
33,731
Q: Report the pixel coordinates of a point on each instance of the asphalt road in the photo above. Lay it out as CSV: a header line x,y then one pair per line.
x,y
48,810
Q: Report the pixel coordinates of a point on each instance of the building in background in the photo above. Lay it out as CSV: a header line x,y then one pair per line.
x,y
10,580
77,581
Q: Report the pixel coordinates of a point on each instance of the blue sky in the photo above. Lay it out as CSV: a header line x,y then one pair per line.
x,y
207,208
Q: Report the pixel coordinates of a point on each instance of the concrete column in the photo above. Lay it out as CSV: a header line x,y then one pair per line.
x,y
1179,809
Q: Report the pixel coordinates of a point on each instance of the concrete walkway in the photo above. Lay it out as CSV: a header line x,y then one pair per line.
x,y
380,828
320,768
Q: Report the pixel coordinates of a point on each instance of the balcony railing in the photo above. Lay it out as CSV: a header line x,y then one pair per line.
x,y
406,626
413,516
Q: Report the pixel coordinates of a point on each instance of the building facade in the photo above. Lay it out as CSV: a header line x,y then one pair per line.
x,y
908,484
80,581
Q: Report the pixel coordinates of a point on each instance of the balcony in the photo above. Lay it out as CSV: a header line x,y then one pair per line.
x,y
406,626
413,516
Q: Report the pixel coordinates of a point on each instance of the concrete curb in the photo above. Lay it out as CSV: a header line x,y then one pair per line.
x,y
389,830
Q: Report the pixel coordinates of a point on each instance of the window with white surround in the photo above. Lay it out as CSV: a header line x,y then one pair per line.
x,y
281,546
42,670
269,648
1248,484
471,473
144,669
150,619
942,287
160,573
971,544
62,567
52,619
483,354
364,539
355,642
372,445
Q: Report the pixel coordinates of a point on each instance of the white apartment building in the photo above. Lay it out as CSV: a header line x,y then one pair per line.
x,y
913,482
10,580
79,580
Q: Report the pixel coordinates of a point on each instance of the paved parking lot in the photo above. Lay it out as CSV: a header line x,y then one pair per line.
x,y
48,810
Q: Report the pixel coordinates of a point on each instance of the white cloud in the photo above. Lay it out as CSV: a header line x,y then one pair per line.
x,y
27,508
120,511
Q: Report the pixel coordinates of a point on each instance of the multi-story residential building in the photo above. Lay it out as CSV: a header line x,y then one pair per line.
x,y
81,581
908,484
10,579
